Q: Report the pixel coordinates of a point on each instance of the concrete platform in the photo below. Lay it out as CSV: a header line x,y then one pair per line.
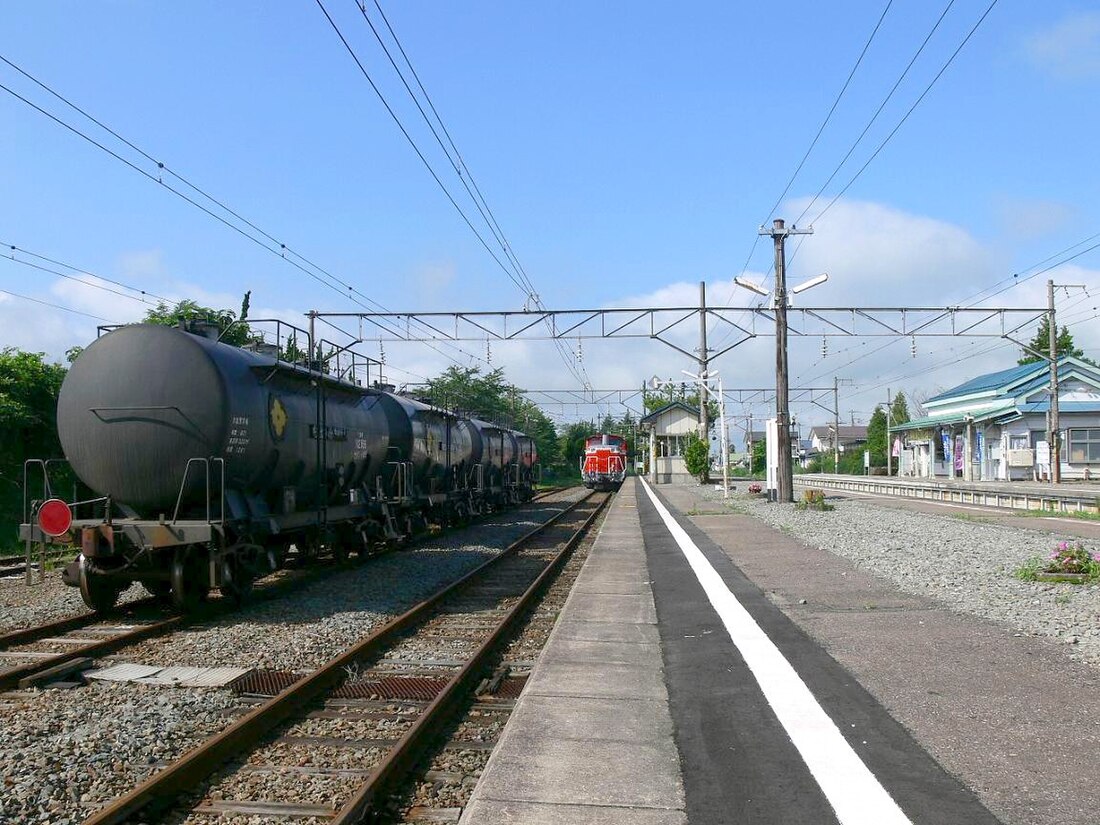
x,y
627,720
591,739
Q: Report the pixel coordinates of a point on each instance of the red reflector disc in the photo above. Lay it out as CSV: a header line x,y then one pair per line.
x,y
54,517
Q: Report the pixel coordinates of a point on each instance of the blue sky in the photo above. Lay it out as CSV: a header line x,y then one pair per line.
x,y
628,150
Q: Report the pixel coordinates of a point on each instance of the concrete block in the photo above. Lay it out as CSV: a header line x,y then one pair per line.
x,y
608,681
495,812
582,772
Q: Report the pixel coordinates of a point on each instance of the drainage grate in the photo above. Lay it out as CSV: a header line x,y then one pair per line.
x,y
410,688
511,687
264,682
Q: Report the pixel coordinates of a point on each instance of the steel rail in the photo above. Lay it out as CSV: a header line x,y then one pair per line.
x,y
195,766
404,754
12,676
26,635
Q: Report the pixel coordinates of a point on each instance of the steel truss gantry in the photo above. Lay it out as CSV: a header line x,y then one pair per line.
x,y
658,323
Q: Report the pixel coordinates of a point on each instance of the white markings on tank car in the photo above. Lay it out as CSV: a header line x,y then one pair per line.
x,y
855,794
239,437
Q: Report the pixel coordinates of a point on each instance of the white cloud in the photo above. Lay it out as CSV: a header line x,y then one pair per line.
x,y
1069,49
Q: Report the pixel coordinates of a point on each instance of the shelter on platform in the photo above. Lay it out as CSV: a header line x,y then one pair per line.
x,y
669,428
995,426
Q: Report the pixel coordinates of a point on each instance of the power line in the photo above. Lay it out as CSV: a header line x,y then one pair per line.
x,y
912,108
516,273
832,109
813,143
276,247
55,306
141,296
878,111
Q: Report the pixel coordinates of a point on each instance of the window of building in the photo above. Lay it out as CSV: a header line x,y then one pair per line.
x,y
1084,446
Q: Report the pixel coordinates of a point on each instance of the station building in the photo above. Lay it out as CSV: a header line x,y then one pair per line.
x,y
669,428
994,427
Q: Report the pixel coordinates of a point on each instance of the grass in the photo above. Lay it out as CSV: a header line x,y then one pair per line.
x,y
1048,512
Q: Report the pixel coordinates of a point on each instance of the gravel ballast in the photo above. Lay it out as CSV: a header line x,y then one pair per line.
x,y
966,565
65,753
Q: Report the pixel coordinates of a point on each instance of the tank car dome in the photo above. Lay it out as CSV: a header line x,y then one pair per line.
x,y
135,406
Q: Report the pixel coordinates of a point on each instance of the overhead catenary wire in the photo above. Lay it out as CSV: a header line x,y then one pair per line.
x,y
265,240
55,306
908,113
514,271
813,143
878,111
141,298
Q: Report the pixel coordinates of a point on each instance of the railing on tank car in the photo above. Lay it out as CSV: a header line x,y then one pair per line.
x,y
206,462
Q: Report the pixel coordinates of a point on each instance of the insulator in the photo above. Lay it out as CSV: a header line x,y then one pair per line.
x,y
381,352
488,352
913,346
824,347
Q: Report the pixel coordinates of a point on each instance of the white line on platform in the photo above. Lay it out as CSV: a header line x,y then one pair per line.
x,y
856,795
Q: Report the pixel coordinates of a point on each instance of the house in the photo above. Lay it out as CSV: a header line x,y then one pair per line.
x,y
823,439
994,426
669,428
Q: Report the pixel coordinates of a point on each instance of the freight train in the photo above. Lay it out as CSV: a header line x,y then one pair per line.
x,y
603,465
208,462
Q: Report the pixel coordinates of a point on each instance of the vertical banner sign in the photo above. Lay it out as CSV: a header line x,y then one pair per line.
x,y
979,447
946,439
959,452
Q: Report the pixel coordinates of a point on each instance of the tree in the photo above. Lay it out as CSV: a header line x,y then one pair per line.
x,y
899,410
169,316
572,441
29,387
697,456
876,437
1063,344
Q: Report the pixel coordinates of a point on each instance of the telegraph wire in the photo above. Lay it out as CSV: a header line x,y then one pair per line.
x,y
813,143
412,143
912,108
281,250
55,306
524,282
140,298
874,117
832,109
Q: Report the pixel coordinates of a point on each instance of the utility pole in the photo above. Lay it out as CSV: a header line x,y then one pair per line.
x,y
1052,434
749,439
836,425
704,362
784,477
889,446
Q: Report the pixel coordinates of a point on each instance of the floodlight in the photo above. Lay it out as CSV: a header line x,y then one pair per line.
x,y
745,283
802,287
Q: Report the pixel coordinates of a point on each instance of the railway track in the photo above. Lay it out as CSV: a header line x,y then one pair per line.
x,y
53,650
381,702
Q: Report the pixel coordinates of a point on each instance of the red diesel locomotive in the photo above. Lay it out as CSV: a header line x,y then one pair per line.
x,y
603,465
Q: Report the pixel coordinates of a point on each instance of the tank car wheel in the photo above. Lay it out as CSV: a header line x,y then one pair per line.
x,y
236,578
98,591
190,580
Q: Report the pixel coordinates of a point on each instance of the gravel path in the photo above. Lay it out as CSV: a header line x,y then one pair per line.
x,y
966,565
